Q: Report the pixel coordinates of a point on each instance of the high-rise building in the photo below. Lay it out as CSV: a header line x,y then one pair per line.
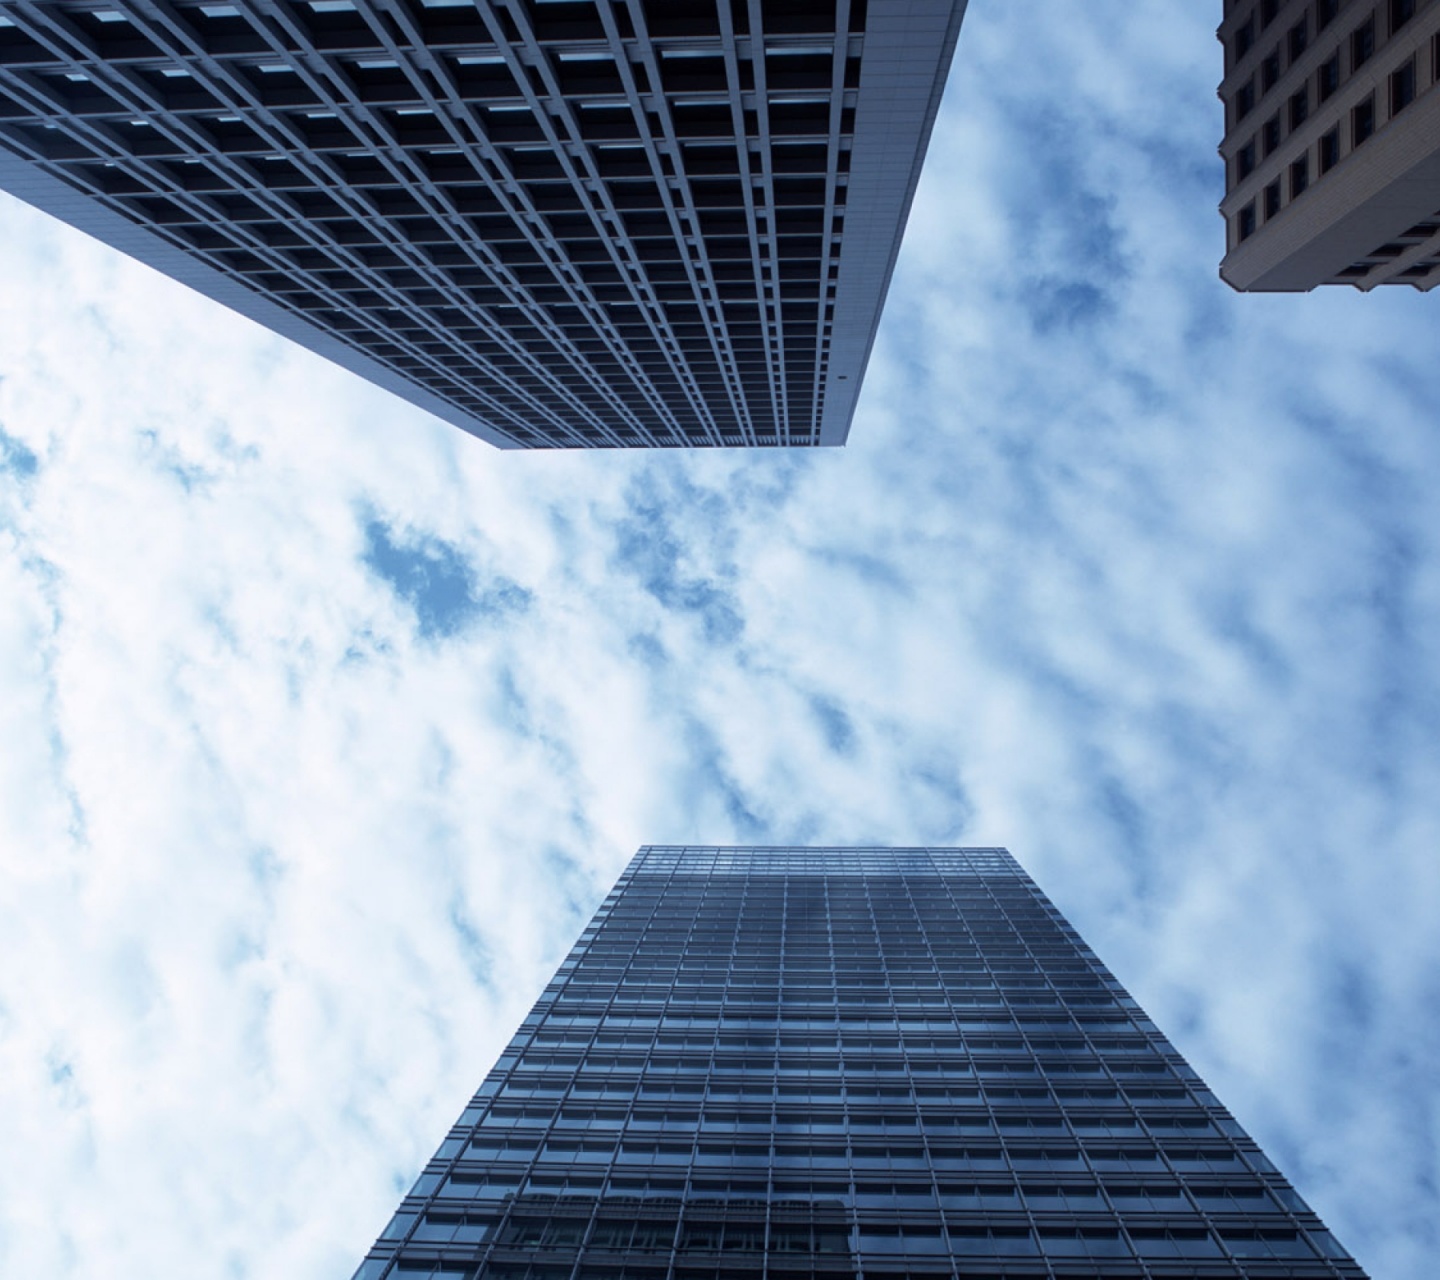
x,y
553,223
806,1064
1332,143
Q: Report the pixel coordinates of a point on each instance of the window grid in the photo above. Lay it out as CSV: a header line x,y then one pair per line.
x,y
810,1061
580,224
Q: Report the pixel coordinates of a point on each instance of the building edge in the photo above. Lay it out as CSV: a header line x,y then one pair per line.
x,y
888,95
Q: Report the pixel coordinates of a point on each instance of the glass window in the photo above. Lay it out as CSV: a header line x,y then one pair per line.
x,y
1267,1243
1244,37
1362,121
1299,38
1245,161
1244,100
1087,1242
1402,87
1075,1199
1299,176
1327,79
1362,43
991,1241
1270,70
1299,107
1329,150
1158,1243
1270,135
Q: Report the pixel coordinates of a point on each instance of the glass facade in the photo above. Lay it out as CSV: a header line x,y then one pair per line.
x,y
818,1063
580,223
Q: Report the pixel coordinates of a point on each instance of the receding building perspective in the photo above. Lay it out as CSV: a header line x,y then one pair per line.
x,y
811,1064
553,223
1332,143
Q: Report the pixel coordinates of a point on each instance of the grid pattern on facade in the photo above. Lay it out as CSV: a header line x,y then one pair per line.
x,y
813,1063
1330,111
570,223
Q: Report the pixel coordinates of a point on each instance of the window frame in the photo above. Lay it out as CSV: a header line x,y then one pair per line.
x,y
1327,77
1329,150
1403,85
1273,199
1270,136
1298,108
1363,122
1362,44
1399,12
1300,175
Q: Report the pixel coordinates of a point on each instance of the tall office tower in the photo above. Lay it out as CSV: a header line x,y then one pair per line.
x,y
1332,143
553,223
805,1064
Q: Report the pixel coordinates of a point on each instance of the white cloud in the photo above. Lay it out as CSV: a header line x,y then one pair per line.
x,y
1122,571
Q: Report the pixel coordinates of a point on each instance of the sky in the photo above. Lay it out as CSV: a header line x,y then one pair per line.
x,y
324,727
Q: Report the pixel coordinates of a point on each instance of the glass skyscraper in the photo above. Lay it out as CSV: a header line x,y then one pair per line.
x,y
822,1063
554,223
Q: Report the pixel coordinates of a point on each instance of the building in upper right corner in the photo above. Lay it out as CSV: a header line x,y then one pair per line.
x,y
1332,143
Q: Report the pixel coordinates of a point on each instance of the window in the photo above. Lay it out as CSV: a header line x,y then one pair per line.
x,y
1270,70
1329,150
1299,39
1327,80
1362,43
1401,11
1268,11
1402,88
1299,176
1270,135
991,1241
1244,38
1244,100
1272,199
1245,161
1271,1243
1082,1242
1299,107
1175,1243
903,1239
1325,13
1362,121
1246,223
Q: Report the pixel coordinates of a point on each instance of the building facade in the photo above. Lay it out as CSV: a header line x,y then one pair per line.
x,y
821,1063
1332,143
553,223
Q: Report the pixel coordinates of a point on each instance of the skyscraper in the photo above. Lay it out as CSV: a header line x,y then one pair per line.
x,y
806,1063
1332,143
551,222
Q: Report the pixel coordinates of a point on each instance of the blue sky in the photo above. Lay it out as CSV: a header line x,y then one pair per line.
x,y
326,726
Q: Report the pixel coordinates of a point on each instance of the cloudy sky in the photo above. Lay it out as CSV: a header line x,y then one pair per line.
x,y
325,726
